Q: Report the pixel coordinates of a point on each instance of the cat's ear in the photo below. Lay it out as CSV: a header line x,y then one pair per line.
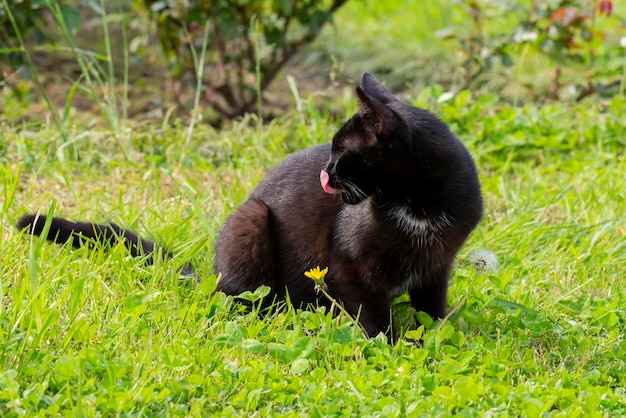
x,y
374,88
375,113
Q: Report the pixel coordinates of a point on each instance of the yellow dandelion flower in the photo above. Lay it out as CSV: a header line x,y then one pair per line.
x,y
317,275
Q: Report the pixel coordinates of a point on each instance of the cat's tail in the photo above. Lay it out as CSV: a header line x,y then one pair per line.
x,y
88,233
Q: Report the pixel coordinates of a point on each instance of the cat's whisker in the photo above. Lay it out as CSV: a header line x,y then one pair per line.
x,y
353,192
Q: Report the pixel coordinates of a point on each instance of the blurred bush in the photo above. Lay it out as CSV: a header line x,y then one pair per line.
x,y
227,52
232,49
23,23
247,42
585,34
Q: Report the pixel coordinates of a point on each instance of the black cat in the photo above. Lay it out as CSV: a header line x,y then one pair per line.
x,y
399,195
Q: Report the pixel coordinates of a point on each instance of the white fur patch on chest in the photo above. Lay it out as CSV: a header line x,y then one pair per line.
x,y
423,231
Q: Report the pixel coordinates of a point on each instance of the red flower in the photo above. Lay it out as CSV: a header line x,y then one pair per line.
x,y
605,7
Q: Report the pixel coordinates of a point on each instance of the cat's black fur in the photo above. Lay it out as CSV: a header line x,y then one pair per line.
x,y
399,195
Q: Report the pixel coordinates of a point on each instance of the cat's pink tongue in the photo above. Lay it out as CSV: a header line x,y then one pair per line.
x,y
324,179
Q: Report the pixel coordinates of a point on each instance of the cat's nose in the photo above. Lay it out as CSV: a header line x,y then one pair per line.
x,y
329,166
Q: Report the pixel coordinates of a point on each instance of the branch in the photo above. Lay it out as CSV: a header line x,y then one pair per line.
x,y
290,48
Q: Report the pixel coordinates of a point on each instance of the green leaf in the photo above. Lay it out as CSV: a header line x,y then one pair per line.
x,y
72,18
255,296
424,319
415,334
458,339
303,347
299,366
66,366
233,335
512,307
446,332
274,36
252,346
280,352
9,382
342,335
285,6
506,59
93,5
432,343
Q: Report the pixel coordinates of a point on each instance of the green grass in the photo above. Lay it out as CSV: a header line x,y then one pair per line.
x,y
90,332
93,333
